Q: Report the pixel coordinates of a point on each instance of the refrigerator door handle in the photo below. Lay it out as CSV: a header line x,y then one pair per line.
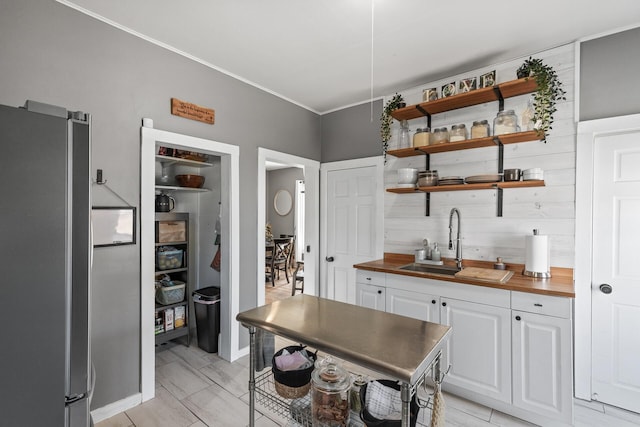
x,y
70,400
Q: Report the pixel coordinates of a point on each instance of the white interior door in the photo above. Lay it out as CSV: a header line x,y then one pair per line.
x,y
353,226
615,282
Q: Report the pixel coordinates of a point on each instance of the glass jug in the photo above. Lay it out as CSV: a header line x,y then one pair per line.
x,y
330,384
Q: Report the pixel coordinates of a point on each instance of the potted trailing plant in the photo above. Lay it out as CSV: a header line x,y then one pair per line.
x,y
386,120
548,93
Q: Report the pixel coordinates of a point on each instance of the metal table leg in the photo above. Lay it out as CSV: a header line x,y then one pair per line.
x,y
252,375
405,395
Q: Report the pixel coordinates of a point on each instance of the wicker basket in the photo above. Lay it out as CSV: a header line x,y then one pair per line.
x,y
292,384
292,392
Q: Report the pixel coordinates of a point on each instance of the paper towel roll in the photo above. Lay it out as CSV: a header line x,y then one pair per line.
x,y
536,254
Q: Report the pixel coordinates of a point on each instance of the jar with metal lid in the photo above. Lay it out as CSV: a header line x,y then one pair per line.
x,y
480,129
458,133
440,135
421,137
505,122
330,385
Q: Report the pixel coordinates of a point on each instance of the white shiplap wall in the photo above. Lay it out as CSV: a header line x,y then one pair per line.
x,y
551,209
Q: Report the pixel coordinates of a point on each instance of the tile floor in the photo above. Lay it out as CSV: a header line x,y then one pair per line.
x,y
198,389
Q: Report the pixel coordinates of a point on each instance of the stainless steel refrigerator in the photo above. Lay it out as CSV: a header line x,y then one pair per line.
x,y
45,253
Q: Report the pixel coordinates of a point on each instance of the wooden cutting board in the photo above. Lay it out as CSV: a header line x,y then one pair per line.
x,y
485,274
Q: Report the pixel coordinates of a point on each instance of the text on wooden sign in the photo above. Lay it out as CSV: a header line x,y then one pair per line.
x,y
192,111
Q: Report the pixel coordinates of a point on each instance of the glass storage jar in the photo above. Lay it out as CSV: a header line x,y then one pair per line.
x,y
404,140
505,122
330,385
440,135
480,129
458,133
421,137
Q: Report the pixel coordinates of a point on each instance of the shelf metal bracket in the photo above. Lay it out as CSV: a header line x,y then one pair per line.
x,y
498,92
498,142
427,201
500,145
424,113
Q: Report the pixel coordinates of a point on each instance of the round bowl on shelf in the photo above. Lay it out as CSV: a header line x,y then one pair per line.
x,y
512,174
407,175
534,174
191,181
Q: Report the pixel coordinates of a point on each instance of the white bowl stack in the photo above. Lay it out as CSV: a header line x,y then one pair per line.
x,y
534,174
407,177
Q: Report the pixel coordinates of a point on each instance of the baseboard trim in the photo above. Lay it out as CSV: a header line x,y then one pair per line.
x,y
115,408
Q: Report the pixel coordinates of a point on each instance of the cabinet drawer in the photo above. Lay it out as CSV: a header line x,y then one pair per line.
x,y
370,277
542,304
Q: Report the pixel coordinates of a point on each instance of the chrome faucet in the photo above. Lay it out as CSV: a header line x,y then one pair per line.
x,y
458,243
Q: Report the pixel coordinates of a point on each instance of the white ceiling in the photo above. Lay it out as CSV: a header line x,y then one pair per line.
x,y
318,54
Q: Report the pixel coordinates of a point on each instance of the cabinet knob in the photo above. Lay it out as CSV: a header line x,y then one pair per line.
x,y
379,291
518,318
368,278
329,259
444,304
433,301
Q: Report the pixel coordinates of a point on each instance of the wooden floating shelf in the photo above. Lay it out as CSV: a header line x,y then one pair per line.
x,y
466,187
467,99
169,160
490,141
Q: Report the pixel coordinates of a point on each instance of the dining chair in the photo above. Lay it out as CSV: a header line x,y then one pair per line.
x,y
269,263
281,256
298,276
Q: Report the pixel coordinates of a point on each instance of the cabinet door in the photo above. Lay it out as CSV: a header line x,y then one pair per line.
x,y
413,304
542,377
370,296
479,350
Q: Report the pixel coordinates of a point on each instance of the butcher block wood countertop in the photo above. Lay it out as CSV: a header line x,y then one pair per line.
x,y
560,284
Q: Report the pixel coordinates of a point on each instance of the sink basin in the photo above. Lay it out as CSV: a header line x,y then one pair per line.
x,y
433,269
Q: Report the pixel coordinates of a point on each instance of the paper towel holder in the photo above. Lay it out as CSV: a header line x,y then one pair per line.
x,y
536,274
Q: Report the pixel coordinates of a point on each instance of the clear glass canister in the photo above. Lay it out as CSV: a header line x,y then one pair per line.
x,y
440,135
480,129
404,140
458,133
421,137
505,122
330,385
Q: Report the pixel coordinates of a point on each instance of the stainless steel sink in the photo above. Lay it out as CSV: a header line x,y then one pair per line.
x,y
433,269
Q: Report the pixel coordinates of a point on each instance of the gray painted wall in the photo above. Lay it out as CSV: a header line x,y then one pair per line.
x,y
352,133
282,179
608,76
54,54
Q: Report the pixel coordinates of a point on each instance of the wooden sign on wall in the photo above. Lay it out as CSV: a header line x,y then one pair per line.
x,y
192,111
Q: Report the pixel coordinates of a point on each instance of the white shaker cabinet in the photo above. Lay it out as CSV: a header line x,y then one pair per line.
x,y
370,289
479,350
508,350
413,304
542,369
370,296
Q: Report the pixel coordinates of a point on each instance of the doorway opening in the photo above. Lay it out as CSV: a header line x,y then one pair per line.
x,y
229,229
309,216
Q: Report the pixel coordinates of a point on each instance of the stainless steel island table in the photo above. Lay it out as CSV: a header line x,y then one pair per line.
x,y
401,348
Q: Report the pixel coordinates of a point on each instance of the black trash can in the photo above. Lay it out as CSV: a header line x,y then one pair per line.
x,y
207,305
